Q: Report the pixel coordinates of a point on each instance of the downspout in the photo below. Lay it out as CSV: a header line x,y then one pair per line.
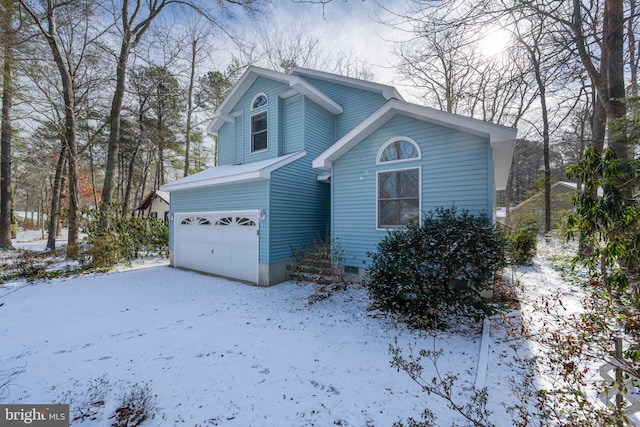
x,y
491,187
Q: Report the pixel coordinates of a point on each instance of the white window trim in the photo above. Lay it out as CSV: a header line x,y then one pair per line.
x,y
396,227
256,96
251,151
391,141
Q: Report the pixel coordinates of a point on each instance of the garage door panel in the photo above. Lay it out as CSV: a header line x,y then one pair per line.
x,y
223,243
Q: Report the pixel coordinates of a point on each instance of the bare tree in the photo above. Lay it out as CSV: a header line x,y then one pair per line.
x,y
534,43
142,107
68,59
7,20
439,62
134,18
199,34
594,34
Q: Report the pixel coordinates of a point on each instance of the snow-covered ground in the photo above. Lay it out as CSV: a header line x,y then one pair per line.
x,y
218,352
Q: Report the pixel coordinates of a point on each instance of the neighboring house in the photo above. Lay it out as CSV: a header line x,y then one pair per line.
x,y
562,193
308,155
155,205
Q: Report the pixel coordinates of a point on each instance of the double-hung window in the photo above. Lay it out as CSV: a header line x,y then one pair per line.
x,y
398,189
259,132
259,124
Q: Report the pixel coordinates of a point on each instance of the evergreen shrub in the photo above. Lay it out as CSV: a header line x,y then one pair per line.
x,y
522,247
444,265
125,238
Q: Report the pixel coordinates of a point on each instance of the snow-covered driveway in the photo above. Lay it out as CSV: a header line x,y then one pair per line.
x,y
216,352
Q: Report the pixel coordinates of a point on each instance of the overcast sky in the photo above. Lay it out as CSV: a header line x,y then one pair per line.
x,y
346,26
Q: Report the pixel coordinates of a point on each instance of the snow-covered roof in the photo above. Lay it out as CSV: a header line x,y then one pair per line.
x,y
565,184
570,185
502,138
233,173
163,195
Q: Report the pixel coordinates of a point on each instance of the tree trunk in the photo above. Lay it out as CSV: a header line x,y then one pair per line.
x,y
130,38
608,81
613,38
70,124
598,126
55,198
508,194
633,50
132,160
5,132
114,134
187,139
74,202
535,61
161,145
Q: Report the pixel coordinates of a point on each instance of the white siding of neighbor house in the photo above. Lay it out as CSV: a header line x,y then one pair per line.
x,y
159,206
455,167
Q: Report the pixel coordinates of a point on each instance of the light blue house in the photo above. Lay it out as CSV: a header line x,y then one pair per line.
x,y
309,155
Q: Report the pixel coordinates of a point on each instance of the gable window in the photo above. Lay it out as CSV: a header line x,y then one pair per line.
x,y
259,100
259,132
398,149
398,190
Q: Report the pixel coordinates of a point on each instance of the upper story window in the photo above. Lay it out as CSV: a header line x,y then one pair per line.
x,y
399,149
259,100
259,132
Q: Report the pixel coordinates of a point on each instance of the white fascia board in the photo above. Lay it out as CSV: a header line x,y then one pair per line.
x,y
315,95
502,138
219,120
284,160
495,133
239,173
223,113
325,160
389,92
502,157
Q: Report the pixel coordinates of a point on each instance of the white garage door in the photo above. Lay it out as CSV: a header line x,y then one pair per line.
x,y
223,243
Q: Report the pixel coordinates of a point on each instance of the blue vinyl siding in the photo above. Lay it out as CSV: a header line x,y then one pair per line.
x,y
293,125
319,129
243,142
454,169
238,158
357,104
234,196
299,208
226,143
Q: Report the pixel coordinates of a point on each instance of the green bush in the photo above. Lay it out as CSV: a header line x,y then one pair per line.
x,y
523,239
445,265
102,251
522,247
125,238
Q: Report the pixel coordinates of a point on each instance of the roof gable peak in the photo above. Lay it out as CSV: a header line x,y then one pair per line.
x,y
251,74
389,92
